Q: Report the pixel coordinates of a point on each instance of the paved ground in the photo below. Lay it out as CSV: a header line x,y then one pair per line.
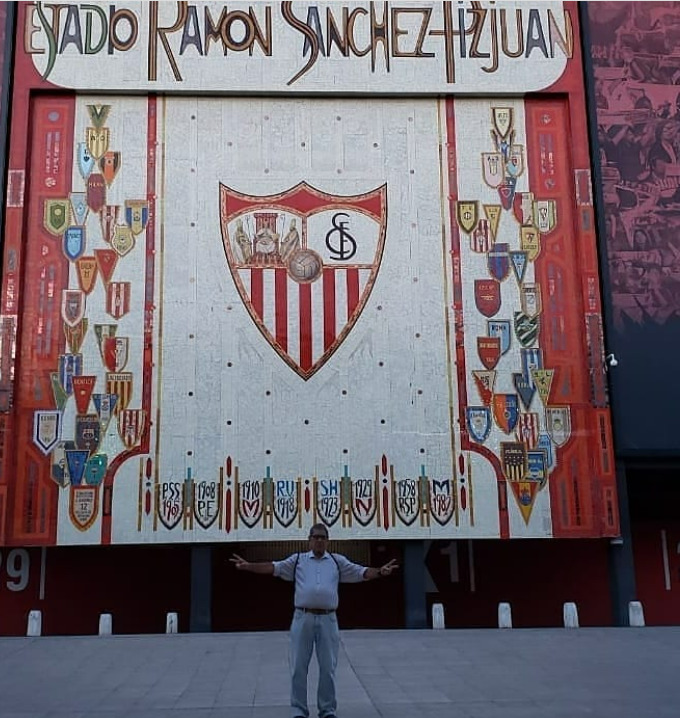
x,y
553,673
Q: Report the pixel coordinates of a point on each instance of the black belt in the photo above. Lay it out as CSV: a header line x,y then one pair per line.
x,y
317,611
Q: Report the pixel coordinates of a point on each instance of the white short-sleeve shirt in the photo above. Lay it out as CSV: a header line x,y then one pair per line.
x,y
316,579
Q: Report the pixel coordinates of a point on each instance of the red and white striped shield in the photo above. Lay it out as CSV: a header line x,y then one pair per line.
x,y
527,429
131,425
304,263
118,299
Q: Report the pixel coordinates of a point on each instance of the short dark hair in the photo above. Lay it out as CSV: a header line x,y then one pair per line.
x,y
319,527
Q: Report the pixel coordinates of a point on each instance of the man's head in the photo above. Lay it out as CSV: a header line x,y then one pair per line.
x,y
318,539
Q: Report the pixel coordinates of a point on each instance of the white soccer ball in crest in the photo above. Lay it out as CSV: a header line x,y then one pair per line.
x,y
305,266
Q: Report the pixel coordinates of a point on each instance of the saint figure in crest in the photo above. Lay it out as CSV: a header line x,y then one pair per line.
x,y
290,242
243,242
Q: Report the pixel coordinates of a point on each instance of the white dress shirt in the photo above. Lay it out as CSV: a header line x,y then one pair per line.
x,y
316,579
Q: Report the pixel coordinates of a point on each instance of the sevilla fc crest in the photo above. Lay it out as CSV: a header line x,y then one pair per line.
x,y
304,263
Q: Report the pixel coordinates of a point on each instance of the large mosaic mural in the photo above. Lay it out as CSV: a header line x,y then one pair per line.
x,y
241,316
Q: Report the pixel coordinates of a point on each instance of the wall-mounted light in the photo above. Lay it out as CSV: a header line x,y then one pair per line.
x,y
610,361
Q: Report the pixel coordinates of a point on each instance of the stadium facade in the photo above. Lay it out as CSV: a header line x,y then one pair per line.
x,y
273,264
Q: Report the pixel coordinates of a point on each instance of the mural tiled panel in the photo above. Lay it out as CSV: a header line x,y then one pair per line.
x,y
241,315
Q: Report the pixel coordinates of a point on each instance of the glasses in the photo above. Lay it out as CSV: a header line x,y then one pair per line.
x,y
319,537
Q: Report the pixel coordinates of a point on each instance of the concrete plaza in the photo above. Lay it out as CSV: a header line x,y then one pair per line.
x,y
518,673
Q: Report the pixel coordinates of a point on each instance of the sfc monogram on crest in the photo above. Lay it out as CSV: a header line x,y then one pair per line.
x,y
304,262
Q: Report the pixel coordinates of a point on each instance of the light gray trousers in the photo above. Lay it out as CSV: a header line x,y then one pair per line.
x,y
308,632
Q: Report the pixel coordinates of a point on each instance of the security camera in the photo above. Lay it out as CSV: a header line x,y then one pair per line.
x,y
611,360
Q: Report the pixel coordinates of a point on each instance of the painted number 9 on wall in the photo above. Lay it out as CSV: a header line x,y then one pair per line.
x,y
15,566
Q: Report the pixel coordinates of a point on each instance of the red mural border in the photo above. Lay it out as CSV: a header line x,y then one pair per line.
x,y
40,338
26,82
594,413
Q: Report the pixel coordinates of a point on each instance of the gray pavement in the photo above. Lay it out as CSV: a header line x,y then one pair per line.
x,y
518,673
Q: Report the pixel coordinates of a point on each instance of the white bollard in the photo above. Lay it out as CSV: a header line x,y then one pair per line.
x,y
438,615
504,615
171,623
105,624
570,615
34,627
636,614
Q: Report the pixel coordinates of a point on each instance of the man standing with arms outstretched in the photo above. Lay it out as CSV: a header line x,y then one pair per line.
x,y
317,574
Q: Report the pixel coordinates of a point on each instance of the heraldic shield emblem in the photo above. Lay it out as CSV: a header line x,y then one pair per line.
x,y
304,262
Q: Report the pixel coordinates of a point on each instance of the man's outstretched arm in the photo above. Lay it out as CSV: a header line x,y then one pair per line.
x,y
264,567
386,570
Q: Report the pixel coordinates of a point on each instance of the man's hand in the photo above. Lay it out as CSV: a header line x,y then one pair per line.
x,y
264,568
240,563
387,569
